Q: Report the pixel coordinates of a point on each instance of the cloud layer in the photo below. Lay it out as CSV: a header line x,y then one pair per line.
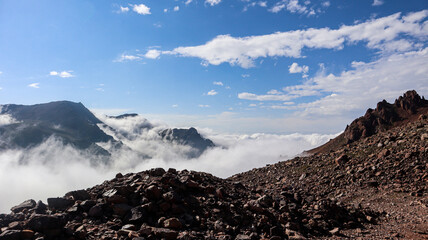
x,y
52,169
387,34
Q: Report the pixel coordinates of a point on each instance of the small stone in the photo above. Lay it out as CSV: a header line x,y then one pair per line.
x,y
95,211
173,223
341,159
81,195
59,203
335,231
25,205
165,233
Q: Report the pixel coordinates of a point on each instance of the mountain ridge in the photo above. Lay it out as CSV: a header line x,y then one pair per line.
x,y
74,124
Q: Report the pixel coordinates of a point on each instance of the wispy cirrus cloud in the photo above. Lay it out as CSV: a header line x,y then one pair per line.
x,y
212,93
388,34
212,2
377,2
62,74
127,57
34,85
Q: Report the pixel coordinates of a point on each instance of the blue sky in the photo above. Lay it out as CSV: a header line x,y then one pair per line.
x,y
242,66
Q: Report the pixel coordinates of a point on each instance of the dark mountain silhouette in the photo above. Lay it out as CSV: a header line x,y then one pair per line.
x,y
74,124
71,122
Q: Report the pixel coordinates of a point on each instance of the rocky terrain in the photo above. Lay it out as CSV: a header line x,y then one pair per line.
x,y
373,187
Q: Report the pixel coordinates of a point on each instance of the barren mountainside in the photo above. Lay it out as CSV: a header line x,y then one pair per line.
x,y
369,183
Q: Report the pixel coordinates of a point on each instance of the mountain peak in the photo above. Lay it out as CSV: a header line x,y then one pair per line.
x,y
385,116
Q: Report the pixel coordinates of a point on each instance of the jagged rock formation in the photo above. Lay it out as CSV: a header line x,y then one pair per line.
x,y
385,116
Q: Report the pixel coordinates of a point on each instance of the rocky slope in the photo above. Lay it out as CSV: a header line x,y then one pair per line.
x,y
371,188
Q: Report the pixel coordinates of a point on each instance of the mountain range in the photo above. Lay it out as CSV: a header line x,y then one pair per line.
x,y
73,124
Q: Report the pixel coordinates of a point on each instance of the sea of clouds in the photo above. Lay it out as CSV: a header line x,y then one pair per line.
x,y
51,169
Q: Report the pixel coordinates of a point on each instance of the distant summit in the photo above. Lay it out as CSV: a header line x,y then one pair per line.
x,y
72,122
189,137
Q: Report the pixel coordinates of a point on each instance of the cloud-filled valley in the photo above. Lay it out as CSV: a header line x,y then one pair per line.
x,y
53,168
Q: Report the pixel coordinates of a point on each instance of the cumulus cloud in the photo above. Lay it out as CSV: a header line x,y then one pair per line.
x,y
387,34
63,74
34,85
295,68
152,54
212,93
188,2
377,2
212,2
218,83
352,91
52,168
141,9
203,106
176,8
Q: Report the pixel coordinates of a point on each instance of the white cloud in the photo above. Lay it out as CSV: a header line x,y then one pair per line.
x,y
141,9
203,106
34,85
218,83
351,92
387,34
267,97
126,57
377,2
212,2
152,54
63,74
212,93
295,68
274,92
277,8
188,2
44,164
326,4
165,10
175,106
293,6
176,8
262,4
6,119
124,9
